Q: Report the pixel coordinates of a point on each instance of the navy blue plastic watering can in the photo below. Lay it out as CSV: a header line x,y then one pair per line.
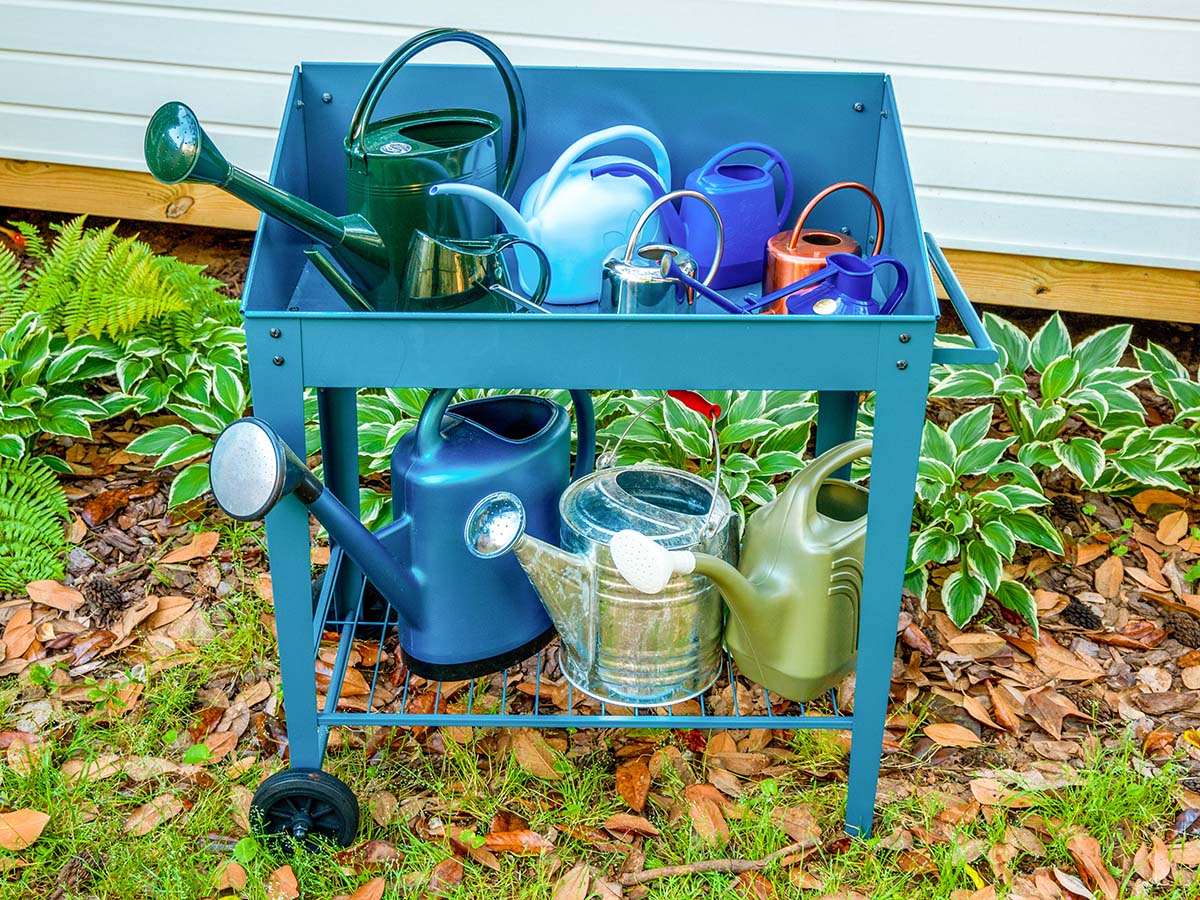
x,y
844,287
744,195
459,616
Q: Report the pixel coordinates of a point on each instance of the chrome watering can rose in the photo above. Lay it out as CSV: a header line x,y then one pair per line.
x,y
459,616
618,645
390,164
574,217
794,596
790,256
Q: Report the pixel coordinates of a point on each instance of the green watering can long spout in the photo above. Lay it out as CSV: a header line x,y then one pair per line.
x,y
178,150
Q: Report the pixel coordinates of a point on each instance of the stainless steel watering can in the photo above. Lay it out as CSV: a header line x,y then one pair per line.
x,y
619,645
390,165
795,594
634,278
459,616
576,217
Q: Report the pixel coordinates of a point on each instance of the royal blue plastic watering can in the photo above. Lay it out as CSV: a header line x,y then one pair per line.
x,y
843,288
744,195
577,218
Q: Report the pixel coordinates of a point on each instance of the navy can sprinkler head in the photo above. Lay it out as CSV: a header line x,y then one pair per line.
x,y
252,469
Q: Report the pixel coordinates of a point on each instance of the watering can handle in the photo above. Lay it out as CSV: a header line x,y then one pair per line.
x,y
410,48
505,241
812,204
667,198
897,294
558,171
776,159
823,467
429,427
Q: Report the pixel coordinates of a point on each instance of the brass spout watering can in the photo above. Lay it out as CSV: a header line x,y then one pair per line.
x,y
390,166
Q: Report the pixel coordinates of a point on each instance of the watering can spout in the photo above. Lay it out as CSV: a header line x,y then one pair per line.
x,y
252,469
563,580
508,215
178,150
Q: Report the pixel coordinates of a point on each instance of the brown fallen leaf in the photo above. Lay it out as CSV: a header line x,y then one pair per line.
x,y
319,556
517,842
914,637
1048,708
104,505
633,783
1086,553
753,886
150,815
283,884
51,593
19,633
368,856
168,610
1156,497
232,877
373,889
977,644
977,711
382,805
575,885
1085,850
747,764
990,792
21,827
797,822
220,744
623,823
707,821
534,755
78,530
445,877
1172,527
201,546
948,734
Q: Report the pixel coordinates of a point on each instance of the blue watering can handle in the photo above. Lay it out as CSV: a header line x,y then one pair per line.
x,y
558,171
410,48
776,159
429,426
984,351
897,294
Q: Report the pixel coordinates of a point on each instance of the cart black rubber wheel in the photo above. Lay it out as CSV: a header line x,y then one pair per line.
x,y
298,806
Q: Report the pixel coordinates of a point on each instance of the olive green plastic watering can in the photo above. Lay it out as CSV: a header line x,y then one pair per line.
x,y
390,165
794,597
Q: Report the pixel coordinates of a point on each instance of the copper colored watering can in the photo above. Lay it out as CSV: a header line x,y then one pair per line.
x,y
792,255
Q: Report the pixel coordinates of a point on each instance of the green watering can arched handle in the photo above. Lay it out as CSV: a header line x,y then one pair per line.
x,y
823,467
410,48
429,427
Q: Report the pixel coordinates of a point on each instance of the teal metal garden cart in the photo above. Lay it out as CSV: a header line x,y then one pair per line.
x,y
300,335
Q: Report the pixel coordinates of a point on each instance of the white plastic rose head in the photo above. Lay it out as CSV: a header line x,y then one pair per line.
x,y
646,565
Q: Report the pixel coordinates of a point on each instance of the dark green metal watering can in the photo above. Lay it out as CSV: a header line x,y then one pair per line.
x,y
390,166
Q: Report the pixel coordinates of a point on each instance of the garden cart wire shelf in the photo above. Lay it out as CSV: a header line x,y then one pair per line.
x,y
832,128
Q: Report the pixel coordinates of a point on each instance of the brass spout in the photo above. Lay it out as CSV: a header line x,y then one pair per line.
x,y
178,150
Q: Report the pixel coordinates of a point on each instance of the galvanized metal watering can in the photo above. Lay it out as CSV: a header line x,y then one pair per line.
x,y
459,616
634,279
618,645
793,255
744,195
390,165
574,217
794,597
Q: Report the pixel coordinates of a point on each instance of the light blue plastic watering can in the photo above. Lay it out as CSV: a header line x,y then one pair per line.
x,y
575,218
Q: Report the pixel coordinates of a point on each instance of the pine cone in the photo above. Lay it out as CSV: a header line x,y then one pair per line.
x,y
1066,506
1082,616
104,601
991,611
1185,628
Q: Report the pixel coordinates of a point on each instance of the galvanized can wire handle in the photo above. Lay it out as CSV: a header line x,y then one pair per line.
x,y
667,198
607,457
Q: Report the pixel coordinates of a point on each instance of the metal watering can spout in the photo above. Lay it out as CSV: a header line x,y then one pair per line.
x,y
178,150
252,469
563,580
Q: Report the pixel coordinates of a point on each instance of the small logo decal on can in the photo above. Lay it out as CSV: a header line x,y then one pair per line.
x,y
396,147
825,306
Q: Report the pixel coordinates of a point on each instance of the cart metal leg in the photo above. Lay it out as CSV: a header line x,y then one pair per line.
x,y
899,418
278,392
837,412
337,410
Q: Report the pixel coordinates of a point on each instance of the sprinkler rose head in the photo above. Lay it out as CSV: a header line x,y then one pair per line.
x,y
646,565
495,525
252,468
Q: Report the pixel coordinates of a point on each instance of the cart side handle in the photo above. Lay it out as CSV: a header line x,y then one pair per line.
x,y
984,351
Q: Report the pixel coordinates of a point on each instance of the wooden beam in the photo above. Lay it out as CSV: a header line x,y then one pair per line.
x,y
119,194
1098,288
1072,285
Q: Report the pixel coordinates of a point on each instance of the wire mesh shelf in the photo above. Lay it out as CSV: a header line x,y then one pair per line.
x,y
362,680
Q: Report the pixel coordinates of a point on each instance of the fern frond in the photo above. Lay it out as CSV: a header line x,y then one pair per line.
x,y
33,510
11,293
35,244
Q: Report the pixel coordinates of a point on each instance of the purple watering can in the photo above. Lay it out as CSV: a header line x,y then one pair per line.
x,y
744,195
842,288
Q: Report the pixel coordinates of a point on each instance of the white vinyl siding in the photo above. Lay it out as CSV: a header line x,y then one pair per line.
x,y
1064,128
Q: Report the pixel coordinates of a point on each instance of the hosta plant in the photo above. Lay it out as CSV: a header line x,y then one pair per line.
x,y
1046,388
981,525
762,436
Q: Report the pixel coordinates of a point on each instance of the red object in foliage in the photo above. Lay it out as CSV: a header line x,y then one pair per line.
x,y
696,402
16,237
